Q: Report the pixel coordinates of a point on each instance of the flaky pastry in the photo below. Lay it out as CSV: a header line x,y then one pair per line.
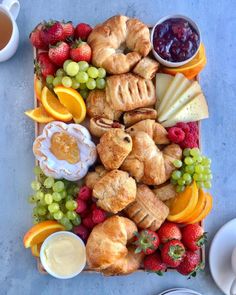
x,y
146,68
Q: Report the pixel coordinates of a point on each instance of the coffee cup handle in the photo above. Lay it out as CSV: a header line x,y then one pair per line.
x,y
233,288
13,6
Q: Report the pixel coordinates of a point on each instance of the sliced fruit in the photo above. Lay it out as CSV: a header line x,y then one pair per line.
x,y
38,86
73,101
39,232
191,69
195,110
39,115
183,204
35,249
163,82
205,211
54,107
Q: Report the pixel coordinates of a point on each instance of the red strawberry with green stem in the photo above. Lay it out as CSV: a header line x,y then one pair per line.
x,y
35,38
59,53
191,264
153,263
82,31
172,253
68,30
44,66
52,32
146,241
80,51
194,236
169,231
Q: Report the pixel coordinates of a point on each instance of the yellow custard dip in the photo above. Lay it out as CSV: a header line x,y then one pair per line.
x,y
63,255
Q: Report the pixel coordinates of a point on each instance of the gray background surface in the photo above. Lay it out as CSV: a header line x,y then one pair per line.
x,y
18,274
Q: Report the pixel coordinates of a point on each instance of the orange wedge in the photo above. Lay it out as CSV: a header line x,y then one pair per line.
x,y
205,211
183,204
39,115
39,232
191,69
54,107
73,101
38,86
35,249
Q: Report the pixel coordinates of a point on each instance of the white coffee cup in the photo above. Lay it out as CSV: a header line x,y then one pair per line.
x,y
233,263
11,8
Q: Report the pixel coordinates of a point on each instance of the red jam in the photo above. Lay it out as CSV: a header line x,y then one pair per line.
x,y
175,40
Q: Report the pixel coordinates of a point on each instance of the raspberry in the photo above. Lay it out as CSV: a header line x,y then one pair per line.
x,y
81,206
85,213
193,127
82,232
190,141
176,134
88,221
98,215
183,126
94,206
85,193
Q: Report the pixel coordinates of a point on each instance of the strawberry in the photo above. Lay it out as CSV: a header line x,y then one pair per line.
x,y
169,231
173,253
59,53
191,264
81,231
81,206
98,215
35,38
85,193
51,32
80,51
147,241
153,263
68,30
88,221
82,31
194,237
44,66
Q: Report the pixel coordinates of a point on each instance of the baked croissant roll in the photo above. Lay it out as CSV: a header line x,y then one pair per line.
x,y
128,92
134,116
93,177
114,147
98,126
155,130
165,191
146,163
115,191
146,68
147,211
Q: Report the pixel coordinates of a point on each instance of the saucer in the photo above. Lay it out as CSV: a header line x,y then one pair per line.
x,y
179,291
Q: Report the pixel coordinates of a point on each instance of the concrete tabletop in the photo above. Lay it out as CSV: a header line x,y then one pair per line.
x,y
18,273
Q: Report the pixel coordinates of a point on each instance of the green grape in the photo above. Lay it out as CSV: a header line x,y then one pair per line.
x,y
35,185
54,207
66,81
66,63
206,170
204,177
77,220
187,182
173,181
58,186
42,211
101,73
181,181
76,190
58,215
199,168
49,79
82,77
83,86
60,73
57,81
37,170
63,194
188,161
83,66
195,152
190,169
91,84
84,93
196,177
198,159
35,210
39,195
36,220
68,226
71,205
187,177
200,184
48,182
72,69
42,202
68,198
64,220
176,175
56,197
71,215
177,163
186,152
207,184
209,176
92,72
100,83
48,199
49,86
206,161
32,199
49,216
75,84
180,188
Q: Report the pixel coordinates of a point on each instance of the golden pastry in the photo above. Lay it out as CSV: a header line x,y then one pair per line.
x,y
147,211
115,191
128,92
146,68
165,192
114,147
93,177
98,126
134,116
110,40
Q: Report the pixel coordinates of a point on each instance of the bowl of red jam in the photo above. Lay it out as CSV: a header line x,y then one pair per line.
x,y
176,40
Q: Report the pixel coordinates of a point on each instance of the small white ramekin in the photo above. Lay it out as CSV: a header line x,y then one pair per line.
x,y
167,63
44,261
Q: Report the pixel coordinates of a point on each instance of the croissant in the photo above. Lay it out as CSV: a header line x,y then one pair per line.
x,y
146,163
165,191
155,130
134,116
98,126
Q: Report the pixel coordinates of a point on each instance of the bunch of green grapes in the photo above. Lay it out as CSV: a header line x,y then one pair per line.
x,y
54,200
78,75
194,166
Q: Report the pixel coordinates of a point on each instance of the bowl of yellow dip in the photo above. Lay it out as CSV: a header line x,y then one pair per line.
x,y
63,255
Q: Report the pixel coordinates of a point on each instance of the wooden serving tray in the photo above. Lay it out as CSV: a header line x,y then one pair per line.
x,y
38,130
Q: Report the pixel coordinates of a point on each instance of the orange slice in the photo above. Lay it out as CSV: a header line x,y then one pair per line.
x,y
39,115
54,107
183,204
39,232
38,86
35,249
191,69
73,101
205,211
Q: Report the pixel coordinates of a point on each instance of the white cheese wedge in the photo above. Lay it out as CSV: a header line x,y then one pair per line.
x,y
196,109
163,82
189,92
170,91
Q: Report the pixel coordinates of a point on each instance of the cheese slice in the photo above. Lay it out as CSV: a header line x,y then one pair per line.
x,y
190,92
196,109
170,91
163,82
